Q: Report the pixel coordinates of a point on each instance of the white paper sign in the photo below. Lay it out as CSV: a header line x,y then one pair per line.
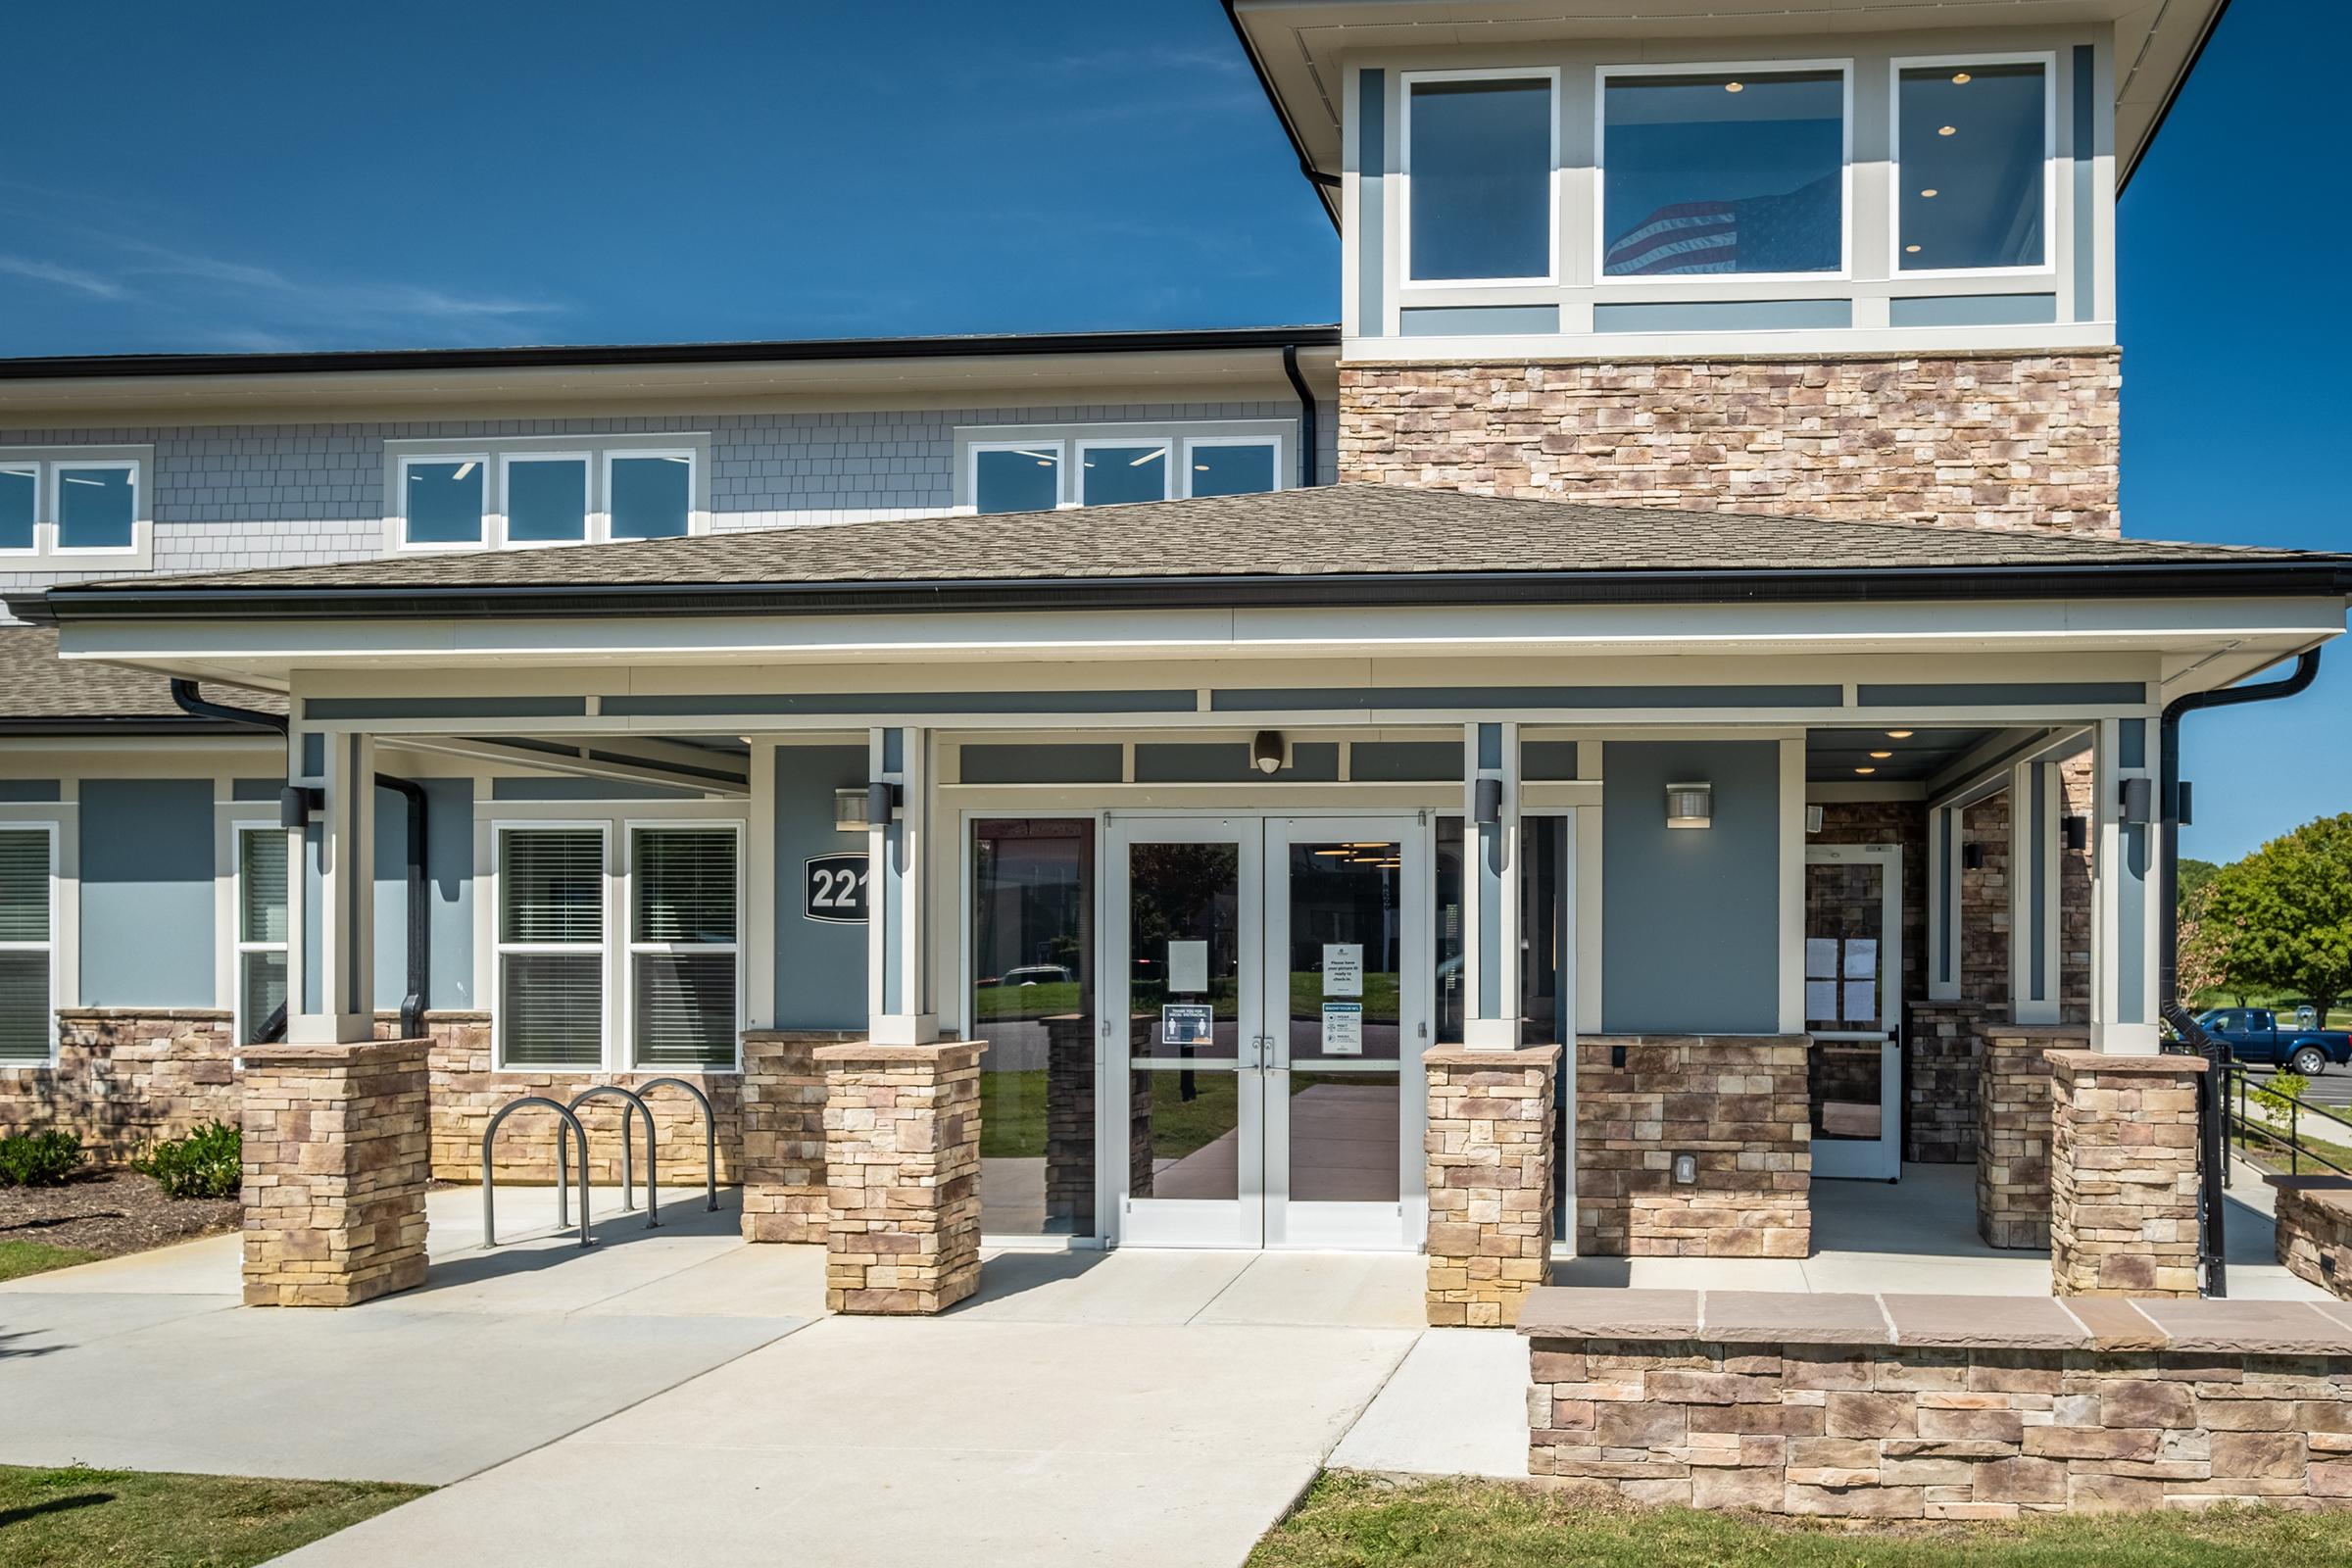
x,y
1342,968
1821,960
1821,1000
1188,967
1342,1028
1861,959
1861,1001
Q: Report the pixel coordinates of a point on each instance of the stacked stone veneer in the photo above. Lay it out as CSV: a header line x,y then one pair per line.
x,y
2010,440
1938,1407
2012,1156
783,1152
126,1077
902,1176
337,1165
1944,1051
1490,1134
1070,1123
2123,1174
1742,1103
2314,1229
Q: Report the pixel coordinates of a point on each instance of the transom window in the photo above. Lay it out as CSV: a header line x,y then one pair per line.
x,y
1973,150
75,505
1040,471
1723,172
525,493
28,943
1479,151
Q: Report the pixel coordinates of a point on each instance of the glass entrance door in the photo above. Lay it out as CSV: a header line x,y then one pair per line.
x,y
1853,1008
1272,972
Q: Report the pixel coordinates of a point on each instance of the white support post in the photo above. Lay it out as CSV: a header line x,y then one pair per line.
x,y
899,969
1945,840
339,844
1491,888
1791,915
2123,894
2035,806
760,890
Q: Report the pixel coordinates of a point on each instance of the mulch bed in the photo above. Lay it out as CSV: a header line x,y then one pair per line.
x,y
111,1212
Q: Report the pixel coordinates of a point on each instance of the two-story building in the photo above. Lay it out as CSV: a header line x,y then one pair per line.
x,y
1680,614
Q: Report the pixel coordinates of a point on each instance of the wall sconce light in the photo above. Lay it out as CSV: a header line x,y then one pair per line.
x,y
1266,751
296,803
1690,804
2185,804
854,811
1813,818
1485,802
2075,832
2139,801
1686,1170
1972,856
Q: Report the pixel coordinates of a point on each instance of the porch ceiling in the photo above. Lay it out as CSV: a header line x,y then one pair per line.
x,y
1834,756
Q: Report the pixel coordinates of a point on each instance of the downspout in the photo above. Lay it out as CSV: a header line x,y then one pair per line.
x,y
191,701
2212,1142
1310,439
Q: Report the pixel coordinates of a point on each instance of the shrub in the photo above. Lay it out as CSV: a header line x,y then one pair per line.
x,y
2278,1096
210,1162
40,1159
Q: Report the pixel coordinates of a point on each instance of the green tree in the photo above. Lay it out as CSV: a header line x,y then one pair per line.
x,y
2290,908
2205,948
2195,877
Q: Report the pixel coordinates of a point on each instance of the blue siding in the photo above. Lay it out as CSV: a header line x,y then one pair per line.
x,y
147,893
820,966
449,886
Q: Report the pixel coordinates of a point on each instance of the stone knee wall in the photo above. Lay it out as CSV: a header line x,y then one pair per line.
x,y
2013,1156
902,1176
336,1165
1741,1104
2020,441
2313,1230
125,1077
2123,1174
1943,1052
1921,1407
783,1166
1490,1134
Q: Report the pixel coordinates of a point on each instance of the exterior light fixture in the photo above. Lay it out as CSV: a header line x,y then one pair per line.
x,y
1910,250
1813,818
2075,832
1735,87
2138,801
1882,756
1972,856
1686,1170
1946,130
1866,770
1898,734
1929,193
1960,77
1485,802
1690,804
1265,751
854,811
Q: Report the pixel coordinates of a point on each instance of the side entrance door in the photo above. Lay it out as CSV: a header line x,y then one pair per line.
x,y
1272,975
1853,1008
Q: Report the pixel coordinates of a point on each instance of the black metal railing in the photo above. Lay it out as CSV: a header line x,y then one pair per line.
x,y
2248,1129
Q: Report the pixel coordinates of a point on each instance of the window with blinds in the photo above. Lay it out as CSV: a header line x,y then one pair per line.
x,y
684,892
551,946
261,904
27,1015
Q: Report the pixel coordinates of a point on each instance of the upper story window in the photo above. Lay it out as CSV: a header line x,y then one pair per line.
x,y
1973,144
1479,153
516,492
1039,468
75,506
1723,172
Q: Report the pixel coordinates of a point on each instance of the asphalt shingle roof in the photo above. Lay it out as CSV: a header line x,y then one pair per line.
x,y
37,686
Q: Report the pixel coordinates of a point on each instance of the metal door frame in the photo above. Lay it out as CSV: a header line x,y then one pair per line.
x,y
1879,1159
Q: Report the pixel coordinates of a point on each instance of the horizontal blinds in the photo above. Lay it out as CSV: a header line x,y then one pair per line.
x,y
685,885
24,886
25,1007
262,868
262,987
550,885
553,1006
685,1009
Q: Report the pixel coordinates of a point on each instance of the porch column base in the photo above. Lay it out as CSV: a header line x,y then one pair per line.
x,y
1492,1131
2123,1174
1945,1045
784,1137
901,1155
2013,1143
338,1152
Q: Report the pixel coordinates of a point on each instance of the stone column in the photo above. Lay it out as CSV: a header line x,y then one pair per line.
x,y
783,1137
337,1155
2013,1146
2123,1174
901,1175
1946,1057
1492,1131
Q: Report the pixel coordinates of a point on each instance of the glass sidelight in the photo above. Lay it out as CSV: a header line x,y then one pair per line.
x,y
1345,947
1853,969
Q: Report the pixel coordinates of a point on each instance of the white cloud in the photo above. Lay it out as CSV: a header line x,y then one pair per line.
x,y
71,277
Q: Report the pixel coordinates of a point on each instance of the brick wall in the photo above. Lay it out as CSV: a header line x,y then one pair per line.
x,y
1741,1104
1984,904
2313,1232
126,1077
2007,441
1943,1052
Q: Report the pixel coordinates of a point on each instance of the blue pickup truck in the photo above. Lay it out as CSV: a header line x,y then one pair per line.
x,y
2252,1034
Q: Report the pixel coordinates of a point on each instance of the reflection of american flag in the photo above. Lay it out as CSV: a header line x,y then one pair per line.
x,y
1687,238
1792,232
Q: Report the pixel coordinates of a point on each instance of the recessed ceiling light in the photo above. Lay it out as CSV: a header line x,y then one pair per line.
x,y
1911,250
1866,770
1929,193
1945,130
463,471
1960,77
1882,756
1898,734
1735,87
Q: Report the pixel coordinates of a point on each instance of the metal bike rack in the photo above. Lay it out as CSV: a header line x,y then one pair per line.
x,y
563,1166
709,1133
636,1106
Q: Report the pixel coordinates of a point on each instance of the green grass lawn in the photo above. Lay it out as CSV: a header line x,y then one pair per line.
x,y
19,1258
75,1517
1358,1522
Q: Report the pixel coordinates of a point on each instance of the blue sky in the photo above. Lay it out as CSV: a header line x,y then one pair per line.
x,y
273,176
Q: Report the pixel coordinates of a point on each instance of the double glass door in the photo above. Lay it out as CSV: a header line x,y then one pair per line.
x,y
1271,973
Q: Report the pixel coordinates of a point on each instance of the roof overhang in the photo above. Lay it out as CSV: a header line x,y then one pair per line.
x,y
1300,47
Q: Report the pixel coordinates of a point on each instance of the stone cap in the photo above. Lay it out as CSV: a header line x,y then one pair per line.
x,y
938,1051
1516,1056
2309,1182
1940,1322
2037,1030
2115,1064
354,1053
824,1036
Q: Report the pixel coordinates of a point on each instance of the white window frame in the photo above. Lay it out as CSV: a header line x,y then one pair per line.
x,y
53,947
1193,443
401,463
501,948
239,946
1064,493
626,992
599,490
1405,82
504,525
49,467
1170,444
2047,58
1746,69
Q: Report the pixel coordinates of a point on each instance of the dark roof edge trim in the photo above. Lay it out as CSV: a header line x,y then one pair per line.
x,y
1818,585
157,724
2171,96
583,356
1326,184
